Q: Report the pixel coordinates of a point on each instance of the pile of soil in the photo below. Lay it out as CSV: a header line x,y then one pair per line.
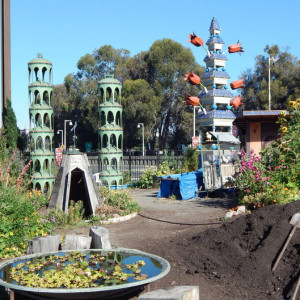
x,y
239,255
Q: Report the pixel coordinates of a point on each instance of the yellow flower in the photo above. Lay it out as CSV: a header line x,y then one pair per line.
x,y
298,100
292,103
38,220
11,233
283,113
7,248
284,129
23,246
286,189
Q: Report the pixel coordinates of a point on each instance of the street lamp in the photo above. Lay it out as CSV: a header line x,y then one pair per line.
x,y
65,131
62,135
200,108
139,125
269,63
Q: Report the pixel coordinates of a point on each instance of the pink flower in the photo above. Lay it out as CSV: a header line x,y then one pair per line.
x,y
243,163
249,165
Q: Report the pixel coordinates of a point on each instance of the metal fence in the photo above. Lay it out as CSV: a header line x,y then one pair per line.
x,y
135,163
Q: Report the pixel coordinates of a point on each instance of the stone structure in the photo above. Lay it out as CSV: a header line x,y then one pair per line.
x,y
216,100
75,183
110,131
41,124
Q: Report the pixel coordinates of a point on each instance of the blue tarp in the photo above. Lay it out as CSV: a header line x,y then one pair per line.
x,y
184,186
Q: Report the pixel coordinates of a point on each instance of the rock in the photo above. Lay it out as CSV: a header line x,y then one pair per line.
x,y
77,242
100,238
173,293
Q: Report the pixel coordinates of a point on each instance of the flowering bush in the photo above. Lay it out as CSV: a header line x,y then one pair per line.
x,y
19,217
274,177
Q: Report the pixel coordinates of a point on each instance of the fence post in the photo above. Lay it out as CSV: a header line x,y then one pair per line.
x,y
129,164
157,158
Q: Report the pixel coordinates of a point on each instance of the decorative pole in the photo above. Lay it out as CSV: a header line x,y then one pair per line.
x,y
5,55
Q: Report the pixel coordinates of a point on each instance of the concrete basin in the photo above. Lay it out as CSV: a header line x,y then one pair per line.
x,y
156,267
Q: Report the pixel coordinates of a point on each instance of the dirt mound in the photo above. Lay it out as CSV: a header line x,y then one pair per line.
x,y
239,254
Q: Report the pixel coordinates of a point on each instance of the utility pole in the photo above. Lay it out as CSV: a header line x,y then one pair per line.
x,y
5,56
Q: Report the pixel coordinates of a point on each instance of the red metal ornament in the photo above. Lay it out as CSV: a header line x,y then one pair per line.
x,y
235,48
195,40
191,100
236,102
238,84
192,78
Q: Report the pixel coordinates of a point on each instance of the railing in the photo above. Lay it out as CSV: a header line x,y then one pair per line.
x,y
135,163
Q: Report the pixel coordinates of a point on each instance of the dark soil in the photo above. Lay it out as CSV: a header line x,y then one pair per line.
x,y
239,255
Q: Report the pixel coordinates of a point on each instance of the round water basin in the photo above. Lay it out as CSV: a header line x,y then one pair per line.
x,y
98,273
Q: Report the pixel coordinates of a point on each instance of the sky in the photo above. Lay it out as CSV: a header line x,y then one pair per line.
x,y
65,30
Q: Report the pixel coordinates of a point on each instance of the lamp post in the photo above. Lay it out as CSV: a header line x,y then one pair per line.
x,y
194,120
62,135
65,131
143,136
269,88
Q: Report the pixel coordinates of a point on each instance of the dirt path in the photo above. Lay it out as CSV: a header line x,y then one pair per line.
x,y
146,233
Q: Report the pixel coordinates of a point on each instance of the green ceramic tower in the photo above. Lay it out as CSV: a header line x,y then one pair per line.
x,y
110,131
41,124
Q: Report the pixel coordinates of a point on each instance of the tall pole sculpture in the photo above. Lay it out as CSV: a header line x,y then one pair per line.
x,y
5,56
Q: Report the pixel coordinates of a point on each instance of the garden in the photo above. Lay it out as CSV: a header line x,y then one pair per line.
x,y
274,176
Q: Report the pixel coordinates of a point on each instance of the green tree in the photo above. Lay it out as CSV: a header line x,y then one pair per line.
x,y
10,126
77,99
285,79
152,93
140,105
168,62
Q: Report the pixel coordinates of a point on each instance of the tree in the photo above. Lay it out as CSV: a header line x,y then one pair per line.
x,y
168,63
152,93
77,99
285,79
140,105
10,126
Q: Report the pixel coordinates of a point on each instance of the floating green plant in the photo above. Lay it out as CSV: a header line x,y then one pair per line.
x,y
76,270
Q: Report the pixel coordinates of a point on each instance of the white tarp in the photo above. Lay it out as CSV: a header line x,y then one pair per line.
x,y
225,137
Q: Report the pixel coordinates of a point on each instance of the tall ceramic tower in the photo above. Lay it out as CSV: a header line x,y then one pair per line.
x,y
41,124
110,131
216,100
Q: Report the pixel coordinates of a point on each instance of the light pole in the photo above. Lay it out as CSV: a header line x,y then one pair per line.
x,y
65,131
194,119
139,125
269,63
62,135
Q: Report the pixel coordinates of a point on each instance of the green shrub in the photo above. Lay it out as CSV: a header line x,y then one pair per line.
x,y
75,212
119,199
146,180
190,162
20,221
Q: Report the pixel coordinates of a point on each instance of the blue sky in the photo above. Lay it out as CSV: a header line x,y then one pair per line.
x,y
65,30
